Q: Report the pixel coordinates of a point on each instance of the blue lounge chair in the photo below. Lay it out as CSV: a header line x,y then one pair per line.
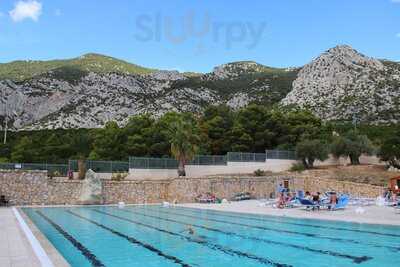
x,y
343,201
300,194
309,204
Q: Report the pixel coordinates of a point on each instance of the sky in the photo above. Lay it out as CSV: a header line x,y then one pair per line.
x,y
197,35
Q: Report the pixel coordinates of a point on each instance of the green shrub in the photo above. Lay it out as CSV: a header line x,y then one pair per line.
x,y
259,172
119,176
297,167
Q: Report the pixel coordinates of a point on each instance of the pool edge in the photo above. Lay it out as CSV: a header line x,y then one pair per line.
x,y
290,216
53,254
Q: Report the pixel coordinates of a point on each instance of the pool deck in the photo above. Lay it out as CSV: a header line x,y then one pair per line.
x,y
371,215
15,250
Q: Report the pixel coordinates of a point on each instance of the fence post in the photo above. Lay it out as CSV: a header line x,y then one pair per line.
x,y
111,166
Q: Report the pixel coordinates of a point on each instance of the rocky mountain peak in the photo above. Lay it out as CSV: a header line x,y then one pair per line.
x,y
345,84
88,91
235,69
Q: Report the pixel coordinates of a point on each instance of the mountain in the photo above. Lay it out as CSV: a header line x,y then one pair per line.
x,y
24,70
93,89
86,92
342,84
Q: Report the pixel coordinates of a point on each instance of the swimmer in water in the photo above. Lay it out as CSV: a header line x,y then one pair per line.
x,y
190,230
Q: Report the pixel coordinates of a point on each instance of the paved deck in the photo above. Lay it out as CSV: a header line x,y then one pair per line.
x,y
15,250
371,215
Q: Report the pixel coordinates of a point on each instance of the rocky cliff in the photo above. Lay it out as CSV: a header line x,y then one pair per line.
x,y
341,84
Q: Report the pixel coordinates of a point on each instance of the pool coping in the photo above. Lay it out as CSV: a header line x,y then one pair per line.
x,y
54,255
286,215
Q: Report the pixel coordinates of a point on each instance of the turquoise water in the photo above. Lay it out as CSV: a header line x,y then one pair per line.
x,y
154,236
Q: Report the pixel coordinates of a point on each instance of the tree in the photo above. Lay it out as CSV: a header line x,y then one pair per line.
x,y
390,151
351,145
140,132
24,151
109,143
310,150
184,142
216,123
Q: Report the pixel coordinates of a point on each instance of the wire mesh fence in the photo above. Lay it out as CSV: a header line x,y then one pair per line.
x,y
101,166
208,160
246,157
150,163
281,154
170,163
55,169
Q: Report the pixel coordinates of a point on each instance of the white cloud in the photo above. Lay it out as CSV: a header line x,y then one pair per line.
x,y
398,35
30,9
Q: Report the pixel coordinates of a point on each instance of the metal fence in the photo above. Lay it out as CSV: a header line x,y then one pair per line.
x,y
101,166
281,154
208,160
246,157
152,163
170,163
60,169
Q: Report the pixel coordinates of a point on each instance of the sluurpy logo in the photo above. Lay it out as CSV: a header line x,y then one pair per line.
x,y
178,30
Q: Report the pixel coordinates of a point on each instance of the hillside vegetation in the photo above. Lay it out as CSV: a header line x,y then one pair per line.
x,y
23,70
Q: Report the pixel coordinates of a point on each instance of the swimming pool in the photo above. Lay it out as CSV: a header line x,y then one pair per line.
x,y
154,236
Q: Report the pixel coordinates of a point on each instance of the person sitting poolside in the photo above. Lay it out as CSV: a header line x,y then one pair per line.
x,y
333,200
281,201
308,196
317,199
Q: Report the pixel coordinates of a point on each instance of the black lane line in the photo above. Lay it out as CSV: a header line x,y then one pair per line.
x,y
132,240
85,251
292,223
355,259
335,239
223,249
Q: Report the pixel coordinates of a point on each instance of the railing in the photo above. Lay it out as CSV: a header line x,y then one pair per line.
x,y
246,157
61,169
151,163
208,160
101,166
281,154
170,163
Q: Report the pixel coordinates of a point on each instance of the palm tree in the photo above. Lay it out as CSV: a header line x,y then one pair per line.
x,y
183,139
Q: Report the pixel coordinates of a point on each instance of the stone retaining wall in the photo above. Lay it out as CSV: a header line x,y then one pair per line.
x,y
24,188
64,192
34,188
354,189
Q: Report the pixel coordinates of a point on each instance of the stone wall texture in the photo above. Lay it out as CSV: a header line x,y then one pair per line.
x,y
35,188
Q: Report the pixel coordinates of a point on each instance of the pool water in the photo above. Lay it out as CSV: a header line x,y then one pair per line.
x,y
155,236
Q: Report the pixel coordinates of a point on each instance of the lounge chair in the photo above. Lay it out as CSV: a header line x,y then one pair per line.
x,y
241,196
3,201
343,201
309,204
206,198
300,194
